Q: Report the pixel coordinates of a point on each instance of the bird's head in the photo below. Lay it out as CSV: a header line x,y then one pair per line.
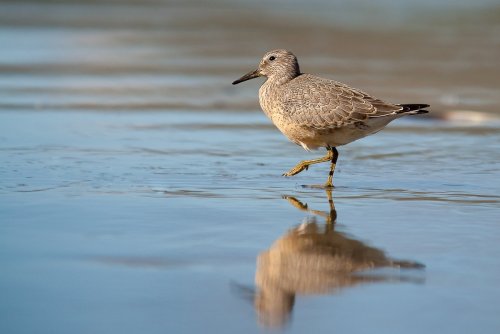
x,y
280,65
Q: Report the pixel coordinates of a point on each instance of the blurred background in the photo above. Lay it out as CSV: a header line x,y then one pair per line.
x,y
140,192
158,55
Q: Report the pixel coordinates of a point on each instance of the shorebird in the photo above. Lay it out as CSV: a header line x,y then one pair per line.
x,y
314,112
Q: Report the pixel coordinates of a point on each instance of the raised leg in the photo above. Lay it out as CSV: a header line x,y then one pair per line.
x,y
334,157
304,165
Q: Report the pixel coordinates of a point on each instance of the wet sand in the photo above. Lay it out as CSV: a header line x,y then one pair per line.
x,y
141,192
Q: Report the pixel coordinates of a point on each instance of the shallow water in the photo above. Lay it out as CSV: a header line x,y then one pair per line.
x,y
139,191
134,221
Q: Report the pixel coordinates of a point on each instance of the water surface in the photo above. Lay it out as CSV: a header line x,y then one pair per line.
x,y
141,192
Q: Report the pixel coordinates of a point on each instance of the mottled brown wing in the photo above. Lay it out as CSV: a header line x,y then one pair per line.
x,y
321,103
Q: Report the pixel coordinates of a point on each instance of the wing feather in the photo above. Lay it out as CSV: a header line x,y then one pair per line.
x,y
322,103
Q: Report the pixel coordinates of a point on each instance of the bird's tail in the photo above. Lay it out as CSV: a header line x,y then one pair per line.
x,y
414,109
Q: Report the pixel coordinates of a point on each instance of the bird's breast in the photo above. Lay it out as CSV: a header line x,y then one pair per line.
x,y
268,100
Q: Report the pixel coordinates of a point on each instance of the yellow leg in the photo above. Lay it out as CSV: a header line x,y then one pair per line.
x,y
304,165
334,157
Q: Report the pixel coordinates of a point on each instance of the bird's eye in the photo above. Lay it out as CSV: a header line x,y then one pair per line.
x,y
272,58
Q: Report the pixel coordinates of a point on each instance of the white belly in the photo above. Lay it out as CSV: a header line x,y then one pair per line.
x,y
311,138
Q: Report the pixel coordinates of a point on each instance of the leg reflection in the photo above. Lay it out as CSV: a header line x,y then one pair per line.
x,y
330,217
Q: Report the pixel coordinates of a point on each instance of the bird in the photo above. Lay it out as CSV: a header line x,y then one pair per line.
x,y
316,112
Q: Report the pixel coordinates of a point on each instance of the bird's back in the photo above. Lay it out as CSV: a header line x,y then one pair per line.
x,y
323,103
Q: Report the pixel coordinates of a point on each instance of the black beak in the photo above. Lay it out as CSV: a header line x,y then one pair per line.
x,y
248,76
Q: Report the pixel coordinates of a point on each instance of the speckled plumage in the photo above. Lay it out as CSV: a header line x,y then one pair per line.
x,y
316,112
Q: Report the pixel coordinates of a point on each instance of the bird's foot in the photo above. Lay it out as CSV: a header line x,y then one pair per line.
x,y
297,169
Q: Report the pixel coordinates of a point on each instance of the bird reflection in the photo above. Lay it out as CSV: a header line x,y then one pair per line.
x,y
313,258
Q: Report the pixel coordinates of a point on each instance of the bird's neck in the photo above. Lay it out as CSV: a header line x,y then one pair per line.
x,y
281,79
